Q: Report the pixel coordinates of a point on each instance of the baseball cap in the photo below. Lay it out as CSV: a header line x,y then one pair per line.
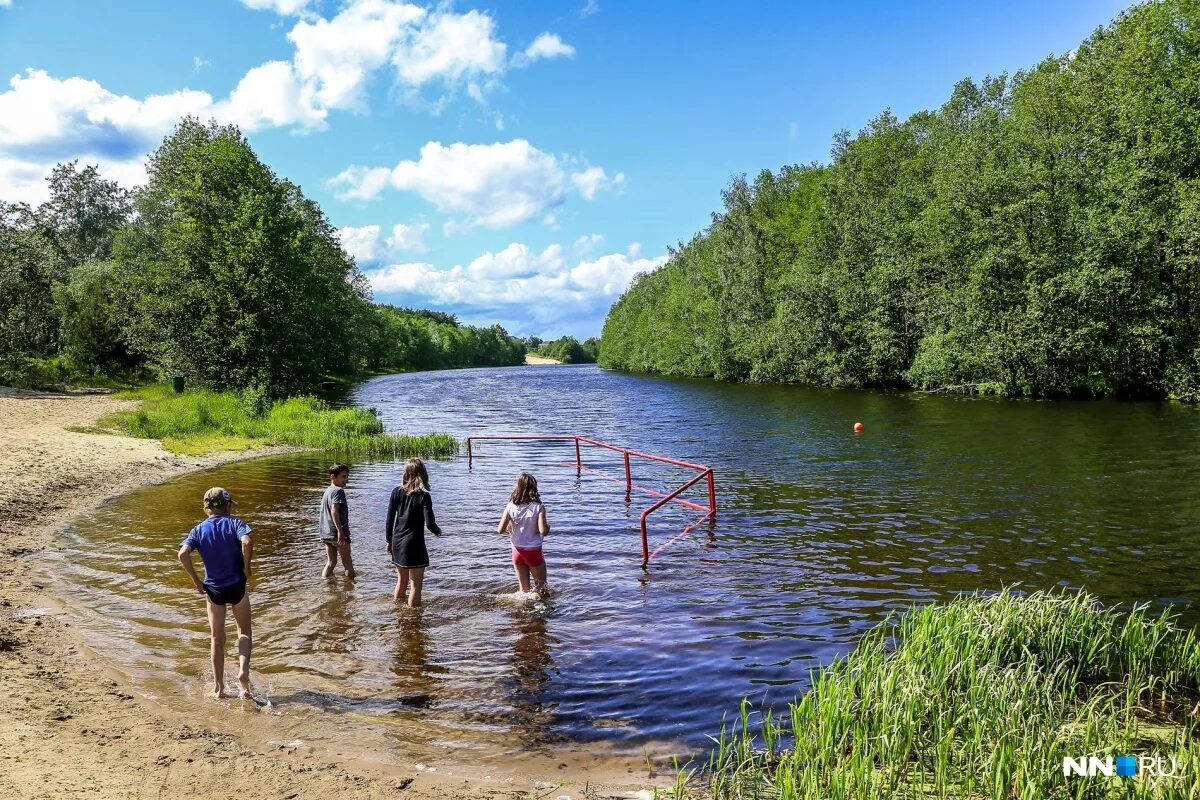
x,y
217,497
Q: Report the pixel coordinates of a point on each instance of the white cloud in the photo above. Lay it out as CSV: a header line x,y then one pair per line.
x,y
270,94
587,243
199,63
361,243
284,8
409,237
589,8
337,56
547,45
451,48
5,3
594,179
493,186
368,244
504,284
44,119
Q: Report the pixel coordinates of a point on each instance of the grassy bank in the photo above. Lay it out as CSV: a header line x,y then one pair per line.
x,y
979,698
199,422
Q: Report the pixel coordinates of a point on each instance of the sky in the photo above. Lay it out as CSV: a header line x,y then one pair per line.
x,y
515,163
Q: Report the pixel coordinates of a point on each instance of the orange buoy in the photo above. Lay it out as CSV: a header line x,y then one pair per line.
x,y
858,427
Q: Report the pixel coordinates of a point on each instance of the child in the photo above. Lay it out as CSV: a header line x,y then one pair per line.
x,y
225,549
335,521
525,517
410,511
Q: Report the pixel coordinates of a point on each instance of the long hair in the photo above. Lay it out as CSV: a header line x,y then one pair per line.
x,y
416,477
525,491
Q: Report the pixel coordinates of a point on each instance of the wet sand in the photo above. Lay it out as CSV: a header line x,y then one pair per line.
x,y
68,728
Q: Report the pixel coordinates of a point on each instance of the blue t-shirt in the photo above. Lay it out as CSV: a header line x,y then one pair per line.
x,y
219,540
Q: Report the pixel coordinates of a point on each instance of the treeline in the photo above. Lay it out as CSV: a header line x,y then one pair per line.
x,y
217,271
566,349
1037,235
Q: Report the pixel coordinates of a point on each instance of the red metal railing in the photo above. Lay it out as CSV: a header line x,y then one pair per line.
x,y
703,472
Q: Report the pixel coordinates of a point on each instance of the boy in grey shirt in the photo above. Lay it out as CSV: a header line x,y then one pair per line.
x,y
335,521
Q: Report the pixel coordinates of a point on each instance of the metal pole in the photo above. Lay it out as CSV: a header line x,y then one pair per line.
x,y
645,544
628,478
578,460
712,495
468,451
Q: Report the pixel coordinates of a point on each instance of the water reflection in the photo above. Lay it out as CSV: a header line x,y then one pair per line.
x,y
415,679
532,668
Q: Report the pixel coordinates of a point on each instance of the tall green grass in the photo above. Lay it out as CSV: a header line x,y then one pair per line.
x,y
978,698
200,421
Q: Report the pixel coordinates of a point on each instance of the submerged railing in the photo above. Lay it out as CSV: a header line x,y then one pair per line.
x,y
703,473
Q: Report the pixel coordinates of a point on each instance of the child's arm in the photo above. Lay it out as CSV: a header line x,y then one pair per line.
x,y
429,520
339,499
185,559
247,554
505,521
391,518
543,523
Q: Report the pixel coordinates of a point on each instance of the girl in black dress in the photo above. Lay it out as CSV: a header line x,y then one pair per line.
x,y
410,511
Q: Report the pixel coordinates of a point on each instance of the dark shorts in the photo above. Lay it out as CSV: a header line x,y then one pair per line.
x,y
226,595
334,542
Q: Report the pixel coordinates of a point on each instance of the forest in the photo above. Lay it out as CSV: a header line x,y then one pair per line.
x,y
1037,235
217,271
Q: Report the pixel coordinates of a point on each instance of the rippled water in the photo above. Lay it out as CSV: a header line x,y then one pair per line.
x,y
820,534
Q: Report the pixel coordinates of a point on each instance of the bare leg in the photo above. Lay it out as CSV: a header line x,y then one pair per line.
x,y
331,554
344,550
401,584
417,577
539,579
216,624
241,615
522,576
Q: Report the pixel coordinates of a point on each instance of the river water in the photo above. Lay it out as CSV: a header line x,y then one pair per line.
x,y
820,534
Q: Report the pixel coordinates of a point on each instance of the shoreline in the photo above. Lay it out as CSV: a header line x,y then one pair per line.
x,y
67,728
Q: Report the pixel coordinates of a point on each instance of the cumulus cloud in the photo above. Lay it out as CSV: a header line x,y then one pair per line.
x,y
493,186
502,285
546,45
369,245
284,8
593,180
44,119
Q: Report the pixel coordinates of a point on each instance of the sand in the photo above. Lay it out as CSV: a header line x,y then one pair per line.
x,y
68,728
539,361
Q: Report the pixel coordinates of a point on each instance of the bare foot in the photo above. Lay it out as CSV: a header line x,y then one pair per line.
x,y
219,692
351,574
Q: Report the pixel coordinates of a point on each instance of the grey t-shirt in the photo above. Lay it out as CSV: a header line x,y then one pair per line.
x,y
334,502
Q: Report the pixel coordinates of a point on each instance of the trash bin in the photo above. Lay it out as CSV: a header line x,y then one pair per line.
x,y
177,385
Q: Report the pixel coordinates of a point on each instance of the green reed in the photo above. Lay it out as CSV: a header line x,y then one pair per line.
x,y
978,698
198,422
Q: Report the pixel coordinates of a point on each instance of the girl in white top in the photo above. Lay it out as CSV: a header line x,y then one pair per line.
x,y
525,518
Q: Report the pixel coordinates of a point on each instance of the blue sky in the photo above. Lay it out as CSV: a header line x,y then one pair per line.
x,y
514,162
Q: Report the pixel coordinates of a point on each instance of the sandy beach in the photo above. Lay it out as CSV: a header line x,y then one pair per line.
x,y
67,728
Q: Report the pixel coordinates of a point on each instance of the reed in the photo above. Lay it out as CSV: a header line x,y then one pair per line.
x,y
197,422
981,697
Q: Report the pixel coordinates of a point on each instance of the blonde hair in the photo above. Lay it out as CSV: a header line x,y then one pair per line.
x,y
416,477
526,490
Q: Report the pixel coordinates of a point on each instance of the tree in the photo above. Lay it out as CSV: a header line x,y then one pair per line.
x,y
233,277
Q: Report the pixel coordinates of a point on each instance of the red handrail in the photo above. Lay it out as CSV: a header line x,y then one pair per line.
x,y
704,472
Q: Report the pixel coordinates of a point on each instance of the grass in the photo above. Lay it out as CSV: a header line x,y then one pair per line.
x,y
198,422
982,697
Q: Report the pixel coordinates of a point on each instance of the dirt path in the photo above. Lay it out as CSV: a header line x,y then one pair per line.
x,y
66,728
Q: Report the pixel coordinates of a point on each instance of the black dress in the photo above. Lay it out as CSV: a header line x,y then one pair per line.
x,y
408,516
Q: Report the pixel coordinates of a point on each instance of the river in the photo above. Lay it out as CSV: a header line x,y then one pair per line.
x,y
821,533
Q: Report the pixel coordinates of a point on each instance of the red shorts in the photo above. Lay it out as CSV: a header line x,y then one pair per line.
x,y
529,556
